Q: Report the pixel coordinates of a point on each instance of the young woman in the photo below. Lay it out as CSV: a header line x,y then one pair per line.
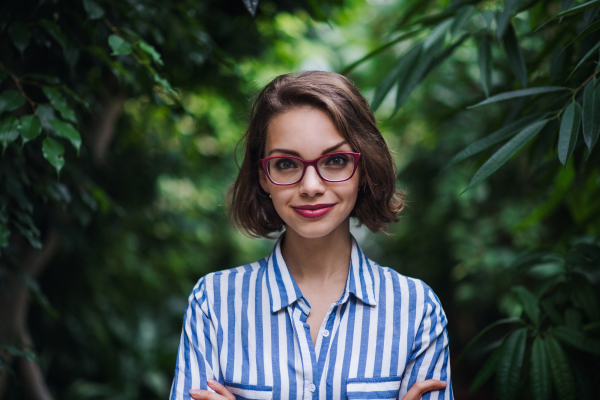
x,y
316,319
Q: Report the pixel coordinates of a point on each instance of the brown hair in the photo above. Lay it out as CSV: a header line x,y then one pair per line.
x,y
378,202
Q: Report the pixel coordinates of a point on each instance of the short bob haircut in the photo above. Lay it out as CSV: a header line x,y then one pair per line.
x,y
378,202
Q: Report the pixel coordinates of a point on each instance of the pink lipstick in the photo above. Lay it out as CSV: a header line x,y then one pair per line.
x,y
313,210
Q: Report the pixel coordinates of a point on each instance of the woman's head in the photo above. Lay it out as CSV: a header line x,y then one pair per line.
x,y
305,115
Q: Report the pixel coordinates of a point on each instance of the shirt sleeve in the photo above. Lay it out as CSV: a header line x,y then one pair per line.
x,y
430,356
197,358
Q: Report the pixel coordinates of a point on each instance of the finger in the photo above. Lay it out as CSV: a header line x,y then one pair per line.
x,y
217,387
199,394
420,388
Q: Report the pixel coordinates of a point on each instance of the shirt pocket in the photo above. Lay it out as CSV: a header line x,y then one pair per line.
x,y
249,392
373,388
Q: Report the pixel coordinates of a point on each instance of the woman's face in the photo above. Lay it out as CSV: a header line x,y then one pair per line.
x,y
309,133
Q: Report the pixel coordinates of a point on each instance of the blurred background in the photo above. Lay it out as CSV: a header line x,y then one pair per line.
x,y
119,122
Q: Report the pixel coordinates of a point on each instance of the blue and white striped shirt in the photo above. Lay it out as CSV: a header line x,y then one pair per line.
x,y
246,328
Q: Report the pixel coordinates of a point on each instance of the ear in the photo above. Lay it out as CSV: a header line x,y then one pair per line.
x,y
262,179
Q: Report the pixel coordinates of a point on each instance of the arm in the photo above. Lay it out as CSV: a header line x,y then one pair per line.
x,y
430,357
197,347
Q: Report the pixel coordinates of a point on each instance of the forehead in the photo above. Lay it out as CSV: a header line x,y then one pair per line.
x,y
305,130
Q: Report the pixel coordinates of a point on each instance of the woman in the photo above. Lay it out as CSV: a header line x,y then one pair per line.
x,y
316,318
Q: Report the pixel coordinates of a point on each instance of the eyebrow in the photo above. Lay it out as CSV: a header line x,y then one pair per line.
x,y
296,154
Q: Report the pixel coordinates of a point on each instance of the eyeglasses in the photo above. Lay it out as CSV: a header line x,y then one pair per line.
x,y
332,167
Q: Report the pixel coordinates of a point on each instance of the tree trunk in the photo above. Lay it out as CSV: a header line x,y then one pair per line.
x,y
14,306
14,299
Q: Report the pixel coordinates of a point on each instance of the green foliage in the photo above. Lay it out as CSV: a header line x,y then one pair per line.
x,y
550,363
537,66
140,225
159,84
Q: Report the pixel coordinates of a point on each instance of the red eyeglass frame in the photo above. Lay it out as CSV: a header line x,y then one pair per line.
x,y
306,164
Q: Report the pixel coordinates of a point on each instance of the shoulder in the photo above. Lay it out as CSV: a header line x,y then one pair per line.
x,y
414,290
229,280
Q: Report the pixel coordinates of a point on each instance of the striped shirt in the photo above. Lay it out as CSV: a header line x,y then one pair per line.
x,y
246,328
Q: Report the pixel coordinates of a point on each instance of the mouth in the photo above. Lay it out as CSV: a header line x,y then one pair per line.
x,y
313,210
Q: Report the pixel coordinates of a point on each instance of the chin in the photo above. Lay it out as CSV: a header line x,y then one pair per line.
x,y
312,233
314,229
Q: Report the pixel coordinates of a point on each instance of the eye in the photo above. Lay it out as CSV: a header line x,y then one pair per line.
x,y
337,160
282,164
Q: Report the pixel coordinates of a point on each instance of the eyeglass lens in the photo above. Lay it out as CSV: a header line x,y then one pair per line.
x,y
286,170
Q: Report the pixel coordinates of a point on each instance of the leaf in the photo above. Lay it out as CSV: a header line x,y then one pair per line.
x,y
526,260
591,115
67,131
577,339
509,149
119,46
487,371
437,36
165,83
315,10
404,64
14,188
584,297
4,235
251,6
8,131
484,59
566,4
549,308
589,53
488,17
508,370
410,78
93,9
529,302
10,100
539,373
557,64
2,76
569,129
31,356
20,35
483,332
494,138
519,93
516,62
574,10
152,52
460,18
29,127
59,103
53,153
56,33
27,227
45,114
504,17
378,50
560,370
590,29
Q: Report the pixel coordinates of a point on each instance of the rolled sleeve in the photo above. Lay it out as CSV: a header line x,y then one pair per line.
x,y
430,356
197,354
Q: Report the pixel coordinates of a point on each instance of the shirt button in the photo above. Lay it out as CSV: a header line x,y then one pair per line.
x,y
325,333
312,387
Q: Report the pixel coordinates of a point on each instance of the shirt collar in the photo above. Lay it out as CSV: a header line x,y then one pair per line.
x,y
284,291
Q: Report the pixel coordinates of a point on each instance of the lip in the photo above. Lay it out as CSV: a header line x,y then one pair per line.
x,y
313,210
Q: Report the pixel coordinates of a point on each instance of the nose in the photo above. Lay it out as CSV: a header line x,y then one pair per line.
x,y
311,184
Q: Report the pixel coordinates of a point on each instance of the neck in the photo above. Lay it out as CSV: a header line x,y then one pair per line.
x,y
318,259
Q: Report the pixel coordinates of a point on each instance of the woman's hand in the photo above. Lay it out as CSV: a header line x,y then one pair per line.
x,y
222,393
420,388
